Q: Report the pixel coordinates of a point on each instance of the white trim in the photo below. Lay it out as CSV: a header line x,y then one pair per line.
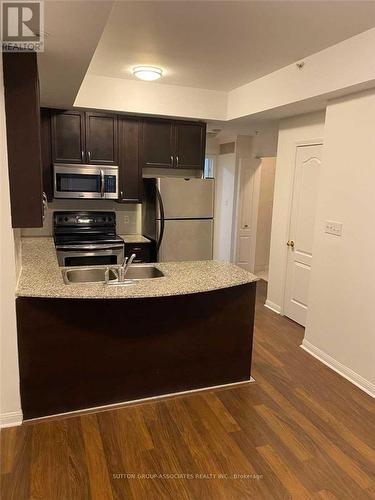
x,y
310,142
273,307
339,368
142,400
10,419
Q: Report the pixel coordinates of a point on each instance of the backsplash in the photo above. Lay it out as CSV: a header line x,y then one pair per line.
x,y
128,217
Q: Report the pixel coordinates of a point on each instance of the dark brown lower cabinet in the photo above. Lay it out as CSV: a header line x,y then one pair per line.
x,y
81,353
143,251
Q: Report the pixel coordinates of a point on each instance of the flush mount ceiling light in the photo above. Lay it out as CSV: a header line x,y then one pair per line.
x,y
148,73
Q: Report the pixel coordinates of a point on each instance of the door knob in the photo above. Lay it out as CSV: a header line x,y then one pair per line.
x,y
290,243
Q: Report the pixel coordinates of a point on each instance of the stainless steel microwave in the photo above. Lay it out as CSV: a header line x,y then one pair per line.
x,y
85,181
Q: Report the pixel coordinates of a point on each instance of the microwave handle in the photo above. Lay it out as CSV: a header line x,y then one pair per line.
x,y
102,183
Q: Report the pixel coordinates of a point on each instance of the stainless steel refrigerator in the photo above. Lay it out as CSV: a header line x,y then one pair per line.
x,y
177,214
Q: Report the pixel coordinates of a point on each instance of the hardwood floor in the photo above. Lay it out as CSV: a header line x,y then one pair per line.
x,y
301,431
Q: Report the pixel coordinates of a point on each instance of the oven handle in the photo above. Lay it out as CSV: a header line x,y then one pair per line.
x,y
102,183
89,247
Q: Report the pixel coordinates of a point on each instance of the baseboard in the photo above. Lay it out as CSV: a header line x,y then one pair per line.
x,y
139,401
11,419
273,307
339,368
260,268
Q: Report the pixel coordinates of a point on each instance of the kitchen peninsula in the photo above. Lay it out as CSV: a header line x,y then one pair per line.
x,y
88,345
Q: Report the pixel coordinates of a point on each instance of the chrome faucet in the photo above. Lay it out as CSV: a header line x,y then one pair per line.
x,y
120,270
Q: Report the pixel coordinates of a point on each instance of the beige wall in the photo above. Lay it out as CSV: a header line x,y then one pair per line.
x,y
10,406
224,199
341,321
264,219
291,132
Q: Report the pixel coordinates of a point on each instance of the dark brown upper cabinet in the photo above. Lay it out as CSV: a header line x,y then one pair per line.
x,y
21,89
79,137
171,144
101,139
157,144
130,171
68,136
45,135
190,145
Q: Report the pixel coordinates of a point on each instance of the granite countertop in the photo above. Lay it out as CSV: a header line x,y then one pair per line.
x,y
41,277
134,238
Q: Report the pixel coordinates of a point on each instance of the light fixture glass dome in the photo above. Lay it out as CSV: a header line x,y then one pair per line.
x,y
148,73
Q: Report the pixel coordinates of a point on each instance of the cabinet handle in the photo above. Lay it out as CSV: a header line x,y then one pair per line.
x,y
176,161
82,156
89,155
121,195
171,161
44,204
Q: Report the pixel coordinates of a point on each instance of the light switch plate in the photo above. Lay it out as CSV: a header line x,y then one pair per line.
x,y
332,227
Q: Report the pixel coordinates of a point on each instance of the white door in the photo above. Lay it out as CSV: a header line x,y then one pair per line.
x,y
301,231
246,225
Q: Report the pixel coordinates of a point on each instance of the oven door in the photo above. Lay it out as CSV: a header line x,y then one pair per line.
x,y
85,181
90,255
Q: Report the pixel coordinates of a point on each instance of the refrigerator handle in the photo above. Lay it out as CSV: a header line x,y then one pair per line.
x,y
162,222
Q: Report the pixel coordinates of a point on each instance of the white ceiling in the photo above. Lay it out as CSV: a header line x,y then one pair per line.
x,y
73,30
222,45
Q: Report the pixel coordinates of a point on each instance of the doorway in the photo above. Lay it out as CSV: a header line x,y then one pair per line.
x,y
264,217
256,193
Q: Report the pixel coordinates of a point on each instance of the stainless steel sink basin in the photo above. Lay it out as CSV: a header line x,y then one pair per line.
x,y
86,275
143,272
97,275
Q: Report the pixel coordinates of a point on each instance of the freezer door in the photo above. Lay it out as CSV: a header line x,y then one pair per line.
x,y
187,198
186,240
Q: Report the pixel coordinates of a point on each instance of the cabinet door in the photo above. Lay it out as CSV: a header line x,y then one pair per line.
x,y
45,136
130,172
190,144
21,92
101,139
68,137
157,145
142,252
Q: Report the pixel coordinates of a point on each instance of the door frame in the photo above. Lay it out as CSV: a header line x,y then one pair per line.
x,y
255,167
307,142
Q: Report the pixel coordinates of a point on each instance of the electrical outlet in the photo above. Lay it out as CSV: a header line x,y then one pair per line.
x,y
126,219
332,227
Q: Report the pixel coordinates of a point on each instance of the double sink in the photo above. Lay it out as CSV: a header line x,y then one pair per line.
x,y
98,274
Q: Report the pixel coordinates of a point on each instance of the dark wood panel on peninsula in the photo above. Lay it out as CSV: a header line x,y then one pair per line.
x,y
81,353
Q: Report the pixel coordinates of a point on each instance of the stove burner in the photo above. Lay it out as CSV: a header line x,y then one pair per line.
x,y
87,238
